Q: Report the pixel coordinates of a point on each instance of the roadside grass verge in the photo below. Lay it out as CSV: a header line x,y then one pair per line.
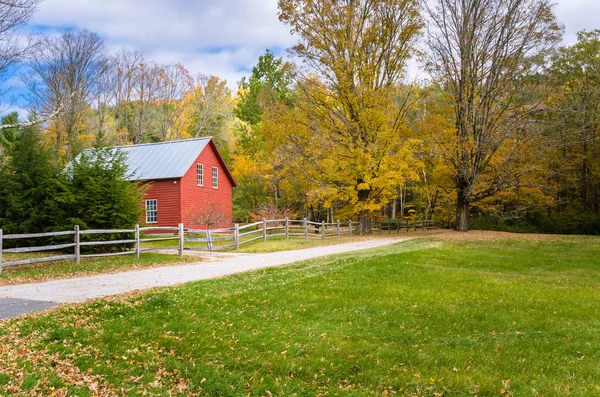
x,y
427,317
279,243
88,266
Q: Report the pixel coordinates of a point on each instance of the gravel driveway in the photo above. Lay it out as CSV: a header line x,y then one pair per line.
x,y
80,289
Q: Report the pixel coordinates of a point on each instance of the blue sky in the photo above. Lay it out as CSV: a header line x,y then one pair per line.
x,y
218,37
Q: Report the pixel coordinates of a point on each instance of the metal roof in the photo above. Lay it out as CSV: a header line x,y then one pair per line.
x,y
162,160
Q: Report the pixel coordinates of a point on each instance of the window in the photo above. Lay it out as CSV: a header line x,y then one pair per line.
x,y
151,211
215,177
200,169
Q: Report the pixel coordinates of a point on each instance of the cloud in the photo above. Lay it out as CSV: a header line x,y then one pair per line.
x,y
577,15
219,37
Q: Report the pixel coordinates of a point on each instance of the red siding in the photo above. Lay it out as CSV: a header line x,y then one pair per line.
x,y
167,193
199,201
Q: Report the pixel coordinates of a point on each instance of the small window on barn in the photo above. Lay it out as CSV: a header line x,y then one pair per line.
x,y
151,211
215,177
200,169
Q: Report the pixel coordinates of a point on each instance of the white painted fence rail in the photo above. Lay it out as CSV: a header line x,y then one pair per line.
x,y
198,239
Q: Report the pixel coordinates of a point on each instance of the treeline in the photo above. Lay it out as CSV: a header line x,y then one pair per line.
x,y
121,98
504,133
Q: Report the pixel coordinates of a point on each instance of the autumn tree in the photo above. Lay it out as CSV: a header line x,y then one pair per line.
x,y
64,74
123,66
208,111
483,53
345,133
141,107
173,81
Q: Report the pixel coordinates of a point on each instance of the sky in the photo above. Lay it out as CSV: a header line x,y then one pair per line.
x,y
214,37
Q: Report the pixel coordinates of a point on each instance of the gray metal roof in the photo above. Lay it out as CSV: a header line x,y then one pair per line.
x,y
162,160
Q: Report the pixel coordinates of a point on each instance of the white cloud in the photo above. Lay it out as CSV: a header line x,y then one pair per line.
x,y
219,37
577,15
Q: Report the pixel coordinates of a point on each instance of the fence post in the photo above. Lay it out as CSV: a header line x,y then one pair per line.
x,y
264,230
181,238
77,247
0,251
209,244
350,227
305,228
287,228
322,230
236,236
338,230
423,224
415,224
137,241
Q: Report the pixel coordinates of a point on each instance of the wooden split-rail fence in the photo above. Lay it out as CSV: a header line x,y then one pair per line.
x,y
135,241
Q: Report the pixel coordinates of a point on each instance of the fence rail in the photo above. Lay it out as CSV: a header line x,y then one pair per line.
x,y
197,239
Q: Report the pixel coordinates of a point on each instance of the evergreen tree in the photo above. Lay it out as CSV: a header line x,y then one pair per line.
x,y
33,190
103,198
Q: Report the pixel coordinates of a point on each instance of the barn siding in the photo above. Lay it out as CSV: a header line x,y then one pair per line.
x,y
201,199
167,192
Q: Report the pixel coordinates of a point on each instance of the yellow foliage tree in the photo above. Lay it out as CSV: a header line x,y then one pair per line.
x,y
347,132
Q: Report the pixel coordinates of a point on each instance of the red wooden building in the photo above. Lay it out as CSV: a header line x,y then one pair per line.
x,y
188,182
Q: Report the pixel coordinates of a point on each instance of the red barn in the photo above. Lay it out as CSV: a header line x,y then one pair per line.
x,y
188,182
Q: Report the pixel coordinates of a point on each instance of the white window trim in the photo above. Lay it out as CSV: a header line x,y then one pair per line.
x,y
200,166
155,210
215,177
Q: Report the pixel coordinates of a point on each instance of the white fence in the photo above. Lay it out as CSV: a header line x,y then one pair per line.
x,y
198,239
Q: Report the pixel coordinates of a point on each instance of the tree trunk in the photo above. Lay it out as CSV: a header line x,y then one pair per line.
x,y
364,220
462,212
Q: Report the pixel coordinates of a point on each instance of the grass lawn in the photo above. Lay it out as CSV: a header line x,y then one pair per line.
x,y
427,317
68,268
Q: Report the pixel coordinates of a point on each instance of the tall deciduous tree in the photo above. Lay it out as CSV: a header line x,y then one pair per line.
x,y
64,73
347,110
13,14
209,106
172,84
483,52
124,67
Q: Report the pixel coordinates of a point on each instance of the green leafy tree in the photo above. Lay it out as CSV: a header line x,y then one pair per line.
x,y
576,111
270,83
256,166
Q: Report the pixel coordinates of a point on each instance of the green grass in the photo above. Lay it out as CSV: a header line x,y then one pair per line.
x,y
421,318
68,268
279,243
